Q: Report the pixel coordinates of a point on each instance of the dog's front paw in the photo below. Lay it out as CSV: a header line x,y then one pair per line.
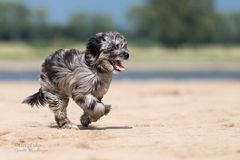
x,y
108,108
85,121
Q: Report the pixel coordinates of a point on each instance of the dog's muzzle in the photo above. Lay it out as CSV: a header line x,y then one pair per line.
x,y
117,64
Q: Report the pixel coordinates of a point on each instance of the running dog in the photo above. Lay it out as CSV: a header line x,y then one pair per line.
x,y
83,76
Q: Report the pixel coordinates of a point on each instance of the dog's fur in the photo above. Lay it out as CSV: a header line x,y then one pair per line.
x,y
84,76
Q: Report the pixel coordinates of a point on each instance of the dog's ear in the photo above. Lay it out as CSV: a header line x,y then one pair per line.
x,y
94,44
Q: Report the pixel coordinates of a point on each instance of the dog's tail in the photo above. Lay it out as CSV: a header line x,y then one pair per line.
x,y
35,99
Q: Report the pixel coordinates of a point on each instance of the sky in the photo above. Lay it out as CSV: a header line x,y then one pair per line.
x,y
227,5
59,11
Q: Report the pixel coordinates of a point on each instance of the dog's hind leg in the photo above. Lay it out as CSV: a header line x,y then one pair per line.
x,y
58,104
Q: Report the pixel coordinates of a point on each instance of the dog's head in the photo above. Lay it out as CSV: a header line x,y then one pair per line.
x,y
107,51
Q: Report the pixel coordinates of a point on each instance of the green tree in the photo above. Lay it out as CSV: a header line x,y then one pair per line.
x,y
100,23
39,26
174,22
77,26
14,21
82,25
228,28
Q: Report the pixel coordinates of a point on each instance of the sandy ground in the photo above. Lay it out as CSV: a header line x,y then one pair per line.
x,y
150,120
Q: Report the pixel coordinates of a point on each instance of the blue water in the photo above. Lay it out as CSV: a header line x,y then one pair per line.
x,y
142,75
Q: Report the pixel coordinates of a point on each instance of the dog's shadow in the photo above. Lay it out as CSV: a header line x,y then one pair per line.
x,y
95,128
103,128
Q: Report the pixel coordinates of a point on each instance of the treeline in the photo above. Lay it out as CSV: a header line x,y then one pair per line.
x,y
17,22
171,23
176,22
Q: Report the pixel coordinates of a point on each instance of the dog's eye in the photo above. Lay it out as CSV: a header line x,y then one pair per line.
x,y
116,46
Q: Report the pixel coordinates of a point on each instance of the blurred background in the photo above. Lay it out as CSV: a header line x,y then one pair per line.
x,y
167,39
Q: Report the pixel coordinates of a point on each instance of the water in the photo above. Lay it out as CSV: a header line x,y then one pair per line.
x,y
139,75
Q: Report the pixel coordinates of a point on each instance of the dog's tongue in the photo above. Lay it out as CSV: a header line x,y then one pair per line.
x,y
118,66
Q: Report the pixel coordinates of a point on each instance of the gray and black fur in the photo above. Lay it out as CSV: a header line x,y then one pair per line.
x,y
83,76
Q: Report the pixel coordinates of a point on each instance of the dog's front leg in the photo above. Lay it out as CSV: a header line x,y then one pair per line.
x,y
92,107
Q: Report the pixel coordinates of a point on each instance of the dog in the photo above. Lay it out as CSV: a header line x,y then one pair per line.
x,y
83,76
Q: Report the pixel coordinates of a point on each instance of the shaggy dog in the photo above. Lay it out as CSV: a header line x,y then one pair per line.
x,y
83,76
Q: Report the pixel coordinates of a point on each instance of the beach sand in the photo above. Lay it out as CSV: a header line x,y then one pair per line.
x,y
149,120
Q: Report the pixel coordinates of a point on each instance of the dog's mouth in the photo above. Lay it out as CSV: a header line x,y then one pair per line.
x,y
117,65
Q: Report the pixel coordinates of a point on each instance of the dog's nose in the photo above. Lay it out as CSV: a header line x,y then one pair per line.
x,y
125,55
